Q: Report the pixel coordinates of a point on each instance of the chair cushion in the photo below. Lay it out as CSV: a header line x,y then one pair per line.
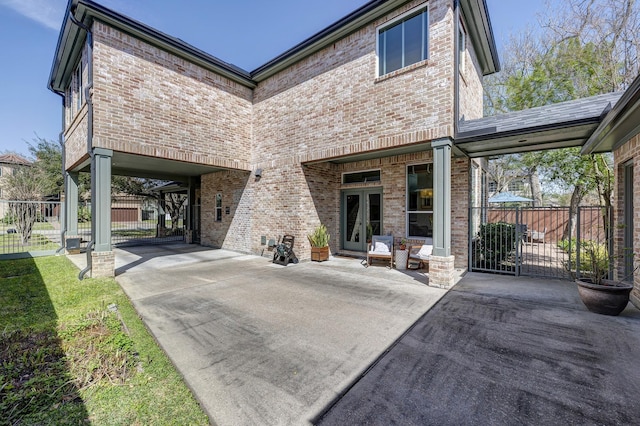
x,y
380,248
425,252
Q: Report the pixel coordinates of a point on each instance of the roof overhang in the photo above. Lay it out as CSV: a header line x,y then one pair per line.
x,y
479,28
72,37
71,40
475,11
619,125
562,125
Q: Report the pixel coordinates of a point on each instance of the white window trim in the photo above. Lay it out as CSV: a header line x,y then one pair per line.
x,y
424,6
218,208
462,33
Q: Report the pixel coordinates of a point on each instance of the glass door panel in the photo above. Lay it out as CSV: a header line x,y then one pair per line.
x,y
361,209
353,222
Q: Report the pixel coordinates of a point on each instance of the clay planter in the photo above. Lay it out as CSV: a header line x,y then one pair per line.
x,y
608,298
320,254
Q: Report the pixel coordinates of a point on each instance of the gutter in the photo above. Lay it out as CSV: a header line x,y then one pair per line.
x,y
88,92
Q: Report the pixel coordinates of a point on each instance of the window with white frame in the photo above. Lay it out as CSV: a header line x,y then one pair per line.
x,y
420,200
219,207
75,93
462,46
403,42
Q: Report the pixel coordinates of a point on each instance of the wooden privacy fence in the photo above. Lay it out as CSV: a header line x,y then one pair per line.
x,y
554,219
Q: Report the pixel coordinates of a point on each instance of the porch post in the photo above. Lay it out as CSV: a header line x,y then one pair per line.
x,y
103,260
441,264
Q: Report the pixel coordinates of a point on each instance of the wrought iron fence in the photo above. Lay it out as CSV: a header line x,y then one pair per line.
x,y
34,227
534,241
29,227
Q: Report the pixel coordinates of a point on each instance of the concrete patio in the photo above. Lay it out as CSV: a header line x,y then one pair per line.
x,y
337,343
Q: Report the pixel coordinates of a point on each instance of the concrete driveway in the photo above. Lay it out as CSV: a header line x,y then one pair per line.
x,y
261,343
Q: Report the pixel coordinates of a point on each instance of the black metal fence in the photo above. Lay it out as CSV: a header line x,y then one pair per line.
x,y
29,227
34,227
536,241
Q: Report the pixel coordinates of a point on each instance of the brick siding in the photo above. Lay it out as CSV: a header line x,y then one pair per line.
x,y
149,102
630,151
329,105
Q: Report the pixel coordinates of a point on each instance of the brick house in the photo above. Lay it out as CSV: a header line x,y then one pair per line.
x,y
354,127
8,163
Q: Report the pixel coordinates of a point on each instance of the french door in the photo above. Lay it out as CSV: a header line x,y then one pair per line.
x,y
361,216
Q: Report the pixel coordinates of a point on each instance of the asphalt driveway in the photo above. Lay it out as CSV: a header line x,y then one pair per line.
x,y
498,350
261,343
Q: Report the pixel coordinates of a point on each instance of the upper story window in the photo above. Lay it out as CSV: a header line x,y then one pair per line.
x,y
462,45
403,42
75,92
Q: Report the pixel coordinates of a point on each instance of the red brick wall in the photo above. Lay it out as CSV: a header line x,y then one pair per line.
x,y
630,151
149,102
333,103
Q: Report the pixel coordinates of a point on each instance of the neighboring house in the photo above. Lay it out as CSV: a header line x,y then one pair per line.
x,y
620,132
8,163
373,123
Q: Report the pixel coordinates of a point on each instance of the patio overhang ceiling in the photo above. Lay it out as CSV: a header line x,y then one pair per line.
x,y
562,125
619,125
123,164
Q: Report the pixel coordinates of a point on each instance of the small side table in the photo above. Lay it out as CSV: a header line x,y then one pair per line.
x,y
401,259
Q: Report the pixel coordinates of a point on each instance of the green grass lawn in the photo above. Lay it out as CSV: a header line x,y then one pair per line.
x,y
75,352
12,243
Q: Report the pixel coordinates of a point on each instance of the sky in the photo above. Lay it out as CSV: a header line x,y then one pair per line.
x,y
245,33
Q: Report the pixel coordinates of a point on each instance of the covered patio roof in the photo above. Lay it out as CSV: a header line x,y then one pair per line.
x,y
124,164
561,125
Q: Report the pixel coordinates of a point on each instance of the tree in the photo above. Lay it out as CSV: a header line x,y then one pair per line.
x,y
587,47
48,160
171,202
25,188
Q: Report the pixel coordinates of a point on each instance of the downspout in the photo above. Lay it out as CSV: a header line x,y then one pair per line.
x,y
87,96
63,212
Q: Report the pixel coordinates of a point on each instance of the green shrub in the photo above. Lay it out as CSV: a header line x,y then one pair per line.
x,y
495,243
319,237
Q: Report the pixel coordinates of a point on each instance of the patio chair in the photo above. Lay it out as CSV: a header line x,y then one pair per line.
x,y
537,236
419,255
381,248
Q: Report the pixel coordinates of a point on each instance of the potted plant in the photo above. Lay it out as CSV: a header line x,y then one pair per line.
x,y
403,244
319,240
599,294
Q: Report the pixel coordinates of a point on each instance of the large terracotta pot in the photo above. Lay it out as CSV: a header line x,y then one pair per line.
x,y
608,298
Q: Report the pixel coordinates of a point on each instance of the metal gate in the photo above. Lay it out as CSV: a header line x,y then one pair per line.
x,y
534,241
